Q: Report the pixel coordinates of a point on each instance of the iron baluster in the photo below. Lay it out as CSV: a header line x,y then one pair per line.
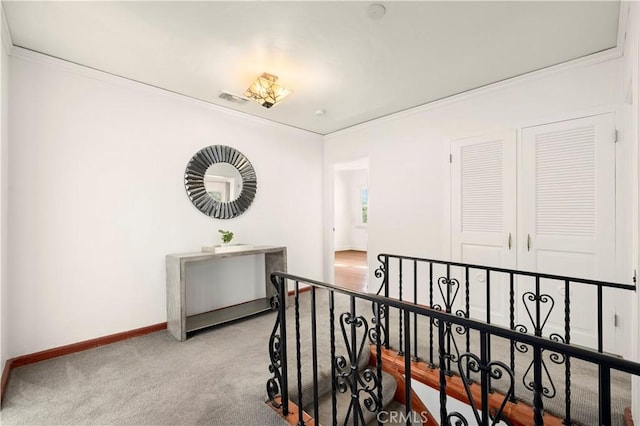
x,y
600,347
415,358
484,377
468,309
512,326
489,322
601,372
378,358
537,325
538,409
354,362
446,287
381,272
332,338
604,383
298,352
448,310
407,367
278,350
347,375
386,294
567,362
443,379
284,293
431,322
447,300
400,346
314,354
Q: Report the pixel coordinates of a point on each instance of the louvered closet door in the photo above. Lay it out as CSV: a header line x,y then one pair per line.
x,y
566,214
483,194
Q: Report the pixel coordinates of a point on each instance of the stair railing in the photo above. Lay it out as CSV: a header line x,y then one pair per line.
x,y
436,283
365,388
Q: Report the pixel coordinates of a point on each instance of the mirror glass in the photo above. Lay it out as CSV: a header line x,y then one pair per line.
x,y
223,182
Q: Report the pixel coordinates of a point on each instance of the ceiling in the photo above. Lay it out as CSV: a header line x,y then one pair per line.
x,y
333,55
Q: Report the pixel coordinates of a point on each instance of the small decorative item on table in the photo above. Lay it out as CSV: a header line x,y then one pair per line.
x,y
227,236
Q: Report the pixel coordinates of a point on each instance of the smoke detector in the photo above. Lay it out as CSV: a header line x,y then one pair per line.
x,y
234,99
376,11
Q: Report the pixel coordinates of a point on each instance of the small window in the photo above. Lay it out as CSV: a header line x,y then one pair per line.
x,y
364,205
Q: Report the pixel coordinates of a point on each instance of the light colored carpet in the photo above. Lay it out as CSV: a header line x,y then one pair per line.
x,y
216,377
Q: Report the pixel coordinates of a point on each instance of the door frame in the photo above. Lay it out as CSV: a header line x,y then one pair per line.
x,y
355,164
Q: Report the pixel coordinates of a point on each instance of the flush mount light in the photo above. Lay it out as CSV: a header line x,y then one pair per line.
x,y
266,92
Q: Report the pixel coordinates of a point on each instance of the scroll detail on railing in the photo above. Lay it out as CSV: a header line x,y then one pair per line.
x,y
273,384
443,321
537,305
348,378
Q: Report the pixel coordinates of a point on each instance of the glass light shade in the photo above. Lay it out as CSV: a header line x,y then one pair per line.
x,y
266,92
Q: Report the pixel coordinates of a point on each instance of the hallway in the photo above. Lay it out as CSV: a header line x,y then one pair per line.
x,y
351,269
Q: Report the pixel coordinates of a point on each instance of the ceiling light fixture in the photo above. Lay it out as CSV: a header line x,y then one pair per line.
x,y
266,92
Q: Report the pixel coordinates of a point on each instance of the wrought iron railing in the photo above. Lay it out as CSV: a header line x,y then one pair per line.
x,y
350,309
436,284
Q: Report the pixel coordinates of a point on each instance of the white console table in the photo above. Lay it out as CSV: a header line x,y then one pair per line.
x,y
179,324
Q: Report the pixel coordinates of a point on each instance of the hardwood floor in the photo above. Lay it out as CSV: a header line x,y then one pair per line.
x,y
351,269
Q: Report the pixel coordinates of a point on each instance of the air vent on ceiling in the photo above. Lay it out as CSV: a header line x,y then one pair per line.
x,y
233,98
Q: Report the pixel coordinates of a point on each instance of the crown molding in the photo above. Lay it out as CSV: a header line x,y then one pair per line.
x,y
94,73
595,58
7,42
585,61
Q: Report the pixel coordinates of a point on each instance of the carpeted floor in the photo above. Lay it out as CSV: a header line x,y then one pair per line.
x,y
218,377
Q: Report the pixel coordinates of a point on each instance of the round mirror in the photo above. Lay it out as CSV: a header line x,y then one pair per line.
x,y
220,181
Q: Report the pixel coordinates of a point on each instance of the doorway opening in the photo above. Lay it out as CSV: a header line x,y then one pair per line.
x,y
350,221
351,269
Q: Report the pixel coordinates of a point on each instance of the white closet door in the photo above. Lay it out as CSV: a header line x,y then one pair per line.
x,y
567,217
483,220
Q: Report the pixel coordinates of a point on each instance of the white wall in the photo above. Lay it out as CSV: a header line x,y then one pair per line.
x,y
4,143
410,150
358,179
97,199
350,233
342,240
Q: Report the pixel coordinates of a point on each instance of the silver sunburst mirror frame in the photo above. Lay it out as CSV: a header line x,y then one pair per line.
x,y
194,181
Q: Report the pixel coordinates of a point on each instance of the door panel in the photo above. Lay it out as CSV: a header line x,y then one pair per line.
x,y
566,217
483,185
483,254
